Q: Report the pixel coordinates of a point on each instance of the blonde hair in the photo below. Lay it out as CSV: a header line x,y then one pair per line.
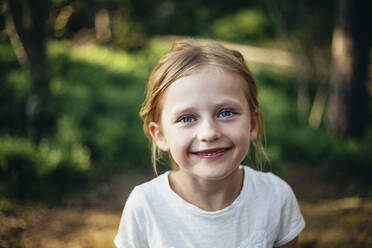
x,y
184,59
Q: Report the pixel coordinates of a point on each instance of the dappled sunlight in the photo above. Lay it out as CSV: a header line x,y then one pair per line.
x,y
92,220
113,60
271,56
97,93
72,82
70,228
338,223
334,206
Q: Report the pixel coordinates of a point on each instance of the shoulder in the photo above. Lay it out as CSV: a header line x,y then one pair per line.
x,y
266,179
135,224
276,197
268,183
151,191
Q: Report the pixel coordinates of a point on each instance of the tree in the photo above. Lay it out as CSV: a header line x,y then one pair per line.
x,y
308,39
347,112
26,24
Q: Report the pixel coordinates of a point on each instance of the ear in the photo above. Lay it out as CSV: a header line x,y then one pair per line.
x,y
254,125
158,136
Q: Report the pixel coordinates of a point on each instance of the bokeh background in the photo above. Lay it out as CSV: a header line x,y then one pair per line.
x,y
72,78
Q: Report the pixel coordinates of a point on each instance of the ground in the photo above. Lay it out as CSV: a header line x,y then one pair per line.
x,y
92,220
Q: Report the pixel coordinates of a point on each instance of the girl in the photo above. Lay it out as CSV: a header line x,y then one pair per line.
x,y
201,107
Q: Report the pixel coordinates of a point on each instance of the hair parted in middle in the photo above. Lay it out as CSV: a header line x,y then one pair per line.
x,y
186,58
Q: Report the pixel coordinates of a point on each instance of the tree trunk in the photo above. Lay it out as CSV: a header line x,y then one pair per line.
x,y
347,113
102,26
26,24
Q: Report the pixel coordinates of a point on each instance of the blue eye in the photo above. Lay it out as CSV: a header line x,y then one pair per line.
x,y
187,119
225,113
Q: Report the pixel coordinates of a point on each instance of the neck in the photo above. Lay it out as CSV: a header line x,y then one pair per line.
x,y
210,195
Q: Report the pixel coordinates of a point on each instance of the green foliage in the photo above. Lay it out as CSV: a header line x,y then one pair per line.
x,y
96,93
244,25
99,91
28,171
7,55
294,142
307,24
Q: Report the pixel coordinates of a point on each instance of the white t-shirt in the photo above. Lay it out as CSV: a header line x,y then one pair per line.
x,y
265,214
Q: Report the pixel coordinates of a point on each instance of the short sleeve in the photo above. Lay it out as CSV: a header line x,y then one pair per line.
x,y
132,231
291,221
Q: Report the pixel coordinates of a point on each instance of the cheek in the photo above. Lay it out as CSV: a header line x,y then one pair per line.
x,y
177,140
179,149
244,142
241,135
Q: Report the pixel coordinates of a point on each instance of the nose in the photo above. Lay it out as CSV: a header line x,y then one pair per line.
x,y
208,131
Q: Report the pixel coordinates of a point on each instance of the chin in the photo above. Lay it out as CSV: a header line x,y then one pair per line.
x,y
218,174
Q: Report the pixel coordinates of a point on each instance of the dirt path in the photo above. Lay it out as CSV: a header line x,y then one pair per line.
x,y
254,54
92,221
83,221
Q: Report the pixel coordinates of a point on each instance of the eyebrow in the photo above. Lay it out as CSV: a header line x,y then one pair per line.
x,y
182,110
234,103
225,103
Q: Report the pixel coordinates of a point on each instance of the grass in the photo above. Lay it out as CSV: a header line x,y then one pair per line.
x,y
96,94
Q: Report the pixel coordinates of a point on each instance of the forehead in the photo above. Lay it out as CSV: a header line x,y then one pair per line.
x,y
212,73
209,84
207,74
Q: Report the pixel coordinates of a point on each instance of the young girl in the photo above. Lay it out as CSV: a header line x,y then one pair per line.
x,y
201,108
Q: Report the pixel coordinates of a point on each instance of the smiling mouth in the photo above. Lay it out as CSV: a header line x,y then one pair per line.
x,y
212,153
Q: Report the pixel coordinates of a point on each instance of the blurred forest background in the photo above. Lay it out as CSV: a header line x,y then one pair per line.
x,y
72,78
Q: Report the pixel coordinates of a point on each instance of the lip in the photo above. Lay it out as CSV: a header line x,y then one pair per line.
x,y
212,154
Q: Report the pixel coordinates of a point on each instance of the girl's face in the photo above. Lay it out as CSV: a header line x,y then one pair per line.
x,y
206,123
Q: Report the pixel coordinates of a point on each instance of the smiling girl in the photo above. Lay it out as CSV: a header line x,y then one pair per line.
x,y
201,107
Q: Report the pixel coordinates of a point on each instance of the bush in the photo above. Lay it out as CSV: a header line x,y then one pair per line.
x,y
96,93
245,25
33,172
